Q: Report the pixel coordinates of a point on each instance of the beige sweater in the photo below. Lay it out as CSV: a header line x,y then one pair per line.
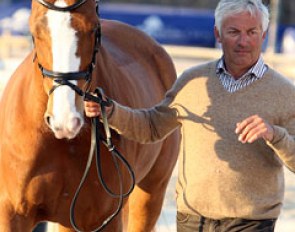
x,y
219,177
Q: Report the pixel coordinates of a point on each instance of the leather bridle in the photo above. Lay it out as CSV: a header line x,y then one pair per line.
x,y
61,78
64,79
58,8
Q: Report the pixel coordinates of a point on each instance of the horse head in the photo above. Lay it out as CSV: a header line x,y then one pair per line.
x,y
66,37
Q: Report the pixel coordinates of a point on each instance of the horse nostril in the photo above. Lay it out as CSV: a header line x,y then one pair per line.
x,y
75,123
47,119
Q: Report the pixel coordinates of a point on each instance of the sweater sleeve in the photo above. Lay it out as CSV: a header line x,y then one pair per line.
x,y
283,144
144,125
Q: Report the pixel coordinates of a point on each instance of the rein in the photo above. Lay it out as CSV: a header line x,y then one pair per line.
x,y
62,79
116,156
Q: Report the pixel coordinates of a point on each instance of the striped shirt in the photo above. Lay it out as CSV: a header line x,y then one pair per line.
x,y
231,85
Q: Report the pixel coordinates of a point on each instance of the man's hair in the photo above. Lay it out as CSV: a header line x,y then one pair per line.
x,y
229,7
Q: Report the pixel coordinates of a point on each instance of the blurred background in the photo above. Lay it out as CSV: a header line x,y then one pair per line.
x,y
185,29
177,22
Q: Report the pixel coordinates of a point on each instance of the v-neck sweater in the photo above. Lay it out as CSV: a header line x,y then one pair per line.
x,y
219,177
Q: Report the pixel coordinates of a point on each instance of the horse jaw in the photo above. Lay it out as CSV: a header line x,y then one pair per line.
x,y
62,115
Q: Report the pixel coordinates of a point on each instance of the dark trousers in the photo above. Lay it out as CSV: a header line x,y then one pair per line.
x,y
192,223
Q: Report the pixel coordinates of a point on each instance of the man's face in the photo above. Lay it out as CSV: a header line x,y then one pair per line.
x,y
241,37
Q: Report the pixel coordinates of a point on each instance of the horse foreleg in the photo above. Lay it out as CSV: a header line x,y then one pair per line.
x,y
146,201
55,227
14,223
144,210
11,221
60,228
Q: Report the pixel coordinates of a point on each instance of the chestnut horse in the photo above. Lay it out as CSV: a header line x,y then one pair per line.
x,y
43,161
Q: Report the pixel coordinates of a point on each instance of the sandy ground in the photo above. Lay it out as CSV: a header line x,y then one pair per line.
x,y
286,222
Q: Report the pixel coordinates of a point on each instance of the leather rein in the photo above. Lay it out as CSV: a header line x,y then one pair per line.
x,y
96,137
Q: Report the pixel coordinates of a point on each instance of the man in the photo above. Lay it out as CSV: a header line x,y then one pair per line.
x,y
237,118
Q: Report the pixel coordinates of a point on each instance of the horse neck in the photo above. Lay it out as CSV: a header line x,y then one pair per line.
x,y
104,71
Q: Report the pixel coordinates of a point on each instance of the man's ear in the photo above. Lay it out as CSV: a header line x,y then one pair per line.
x,y
264,35
217,34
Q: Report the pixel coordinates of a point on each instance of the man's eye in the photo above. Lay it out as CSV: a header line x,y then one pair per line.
x,y
253,32
233,32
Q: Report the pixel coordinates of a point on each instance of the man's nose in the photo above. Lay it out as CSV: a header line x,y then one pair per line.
x,y
243,39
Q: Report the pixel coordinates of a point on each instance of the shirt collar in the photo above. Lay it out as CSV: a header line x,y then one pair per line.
x,y
254,70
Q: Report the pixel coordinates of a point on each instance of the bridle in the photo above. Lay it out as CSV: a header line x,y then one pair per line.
x,y
64,79
57,8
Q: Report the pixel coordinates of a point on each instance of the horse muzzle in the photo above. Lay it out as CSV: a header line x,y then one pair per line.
x,y
67,127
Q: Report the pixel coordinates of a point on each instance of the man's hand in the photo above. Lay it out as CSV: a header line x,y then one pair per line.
x,y
92,109
253,128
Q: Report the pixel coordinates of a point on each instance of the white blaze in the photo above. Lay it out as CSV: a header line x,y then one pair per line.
x,y
64,47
